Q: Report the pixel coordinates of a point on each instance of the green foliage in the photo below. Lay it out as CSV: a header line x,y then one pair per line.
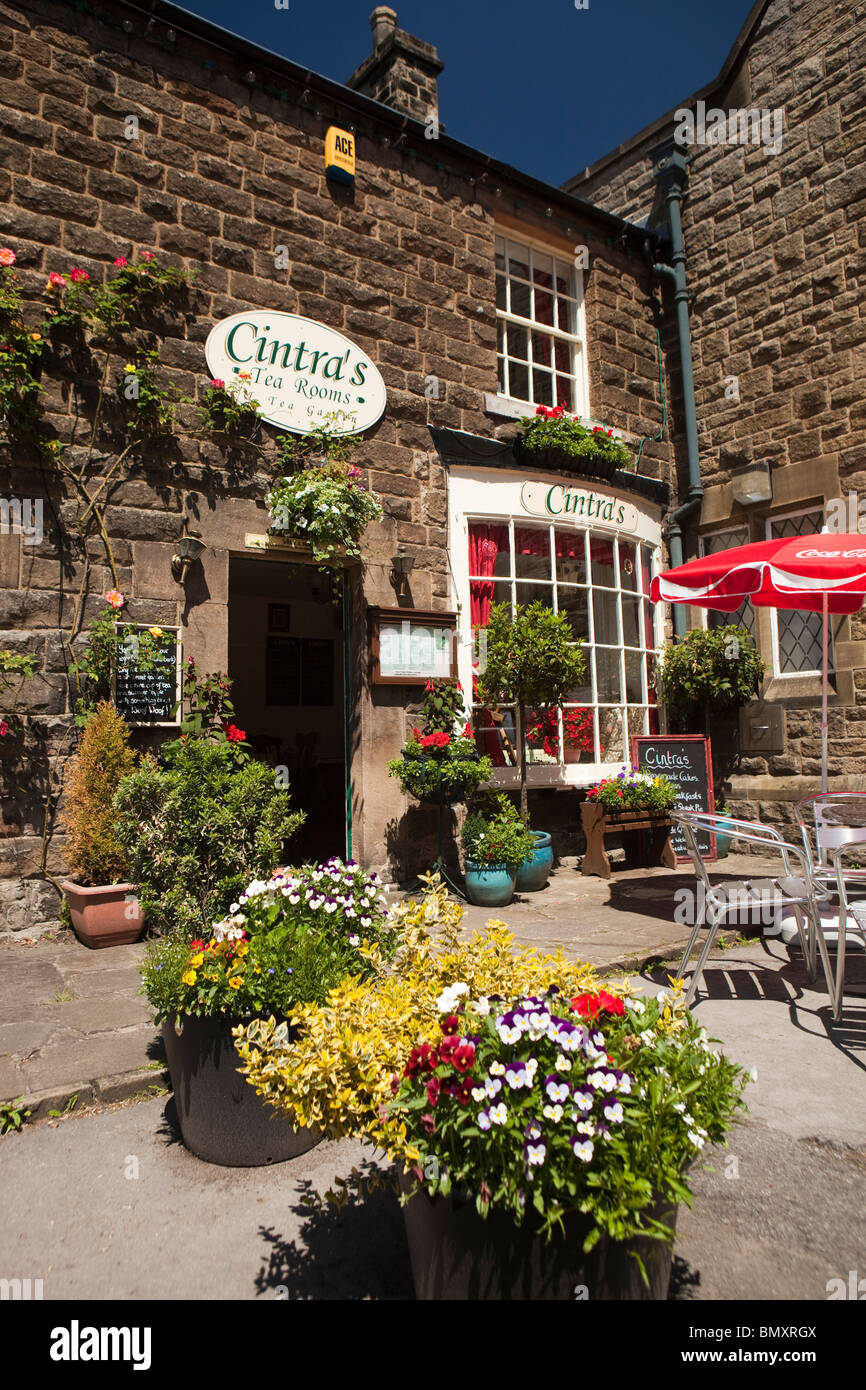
x,y
14,670
714,669
321,445
93,849
197,831
500,837
531,660
439,763
231,409
543,1105
211,714
443,708
285,943
553,429
326,505
12,1115
150,405
634,791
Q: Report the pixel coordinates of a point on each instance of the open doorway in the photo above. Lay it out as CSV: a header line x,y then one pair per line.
x,y
287,664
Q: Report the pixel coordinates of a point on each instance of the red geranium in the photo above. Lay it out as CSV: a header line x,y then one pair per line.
x,y
437,740
591,1005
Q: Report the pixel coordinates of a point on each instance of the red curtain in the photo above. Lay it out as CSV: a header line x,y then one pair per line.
x,y
485,542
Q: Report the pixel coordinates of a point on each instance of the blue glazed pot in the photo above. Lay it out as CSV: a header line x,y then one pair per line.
x,y
723,842
533,873
489,885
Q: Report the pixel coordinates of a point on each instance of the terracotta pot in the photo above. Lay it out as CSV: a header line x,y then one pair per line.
x,y
105,916
221,1117
456,1254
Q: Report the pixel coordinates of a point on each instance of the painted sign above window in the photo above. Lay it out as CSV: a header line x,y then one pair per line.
x,y
301,374
598,510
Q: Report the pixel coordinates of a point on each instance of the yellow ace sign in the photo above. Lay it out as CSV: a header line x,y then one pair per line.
x,y
339,155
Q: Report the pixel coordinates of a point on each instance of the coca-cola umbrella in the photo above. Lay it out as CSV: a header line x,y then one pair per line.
x,y
823,573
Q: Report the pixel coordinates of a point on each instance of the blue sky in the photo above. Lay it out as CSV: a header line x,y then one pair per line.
x,y
536,83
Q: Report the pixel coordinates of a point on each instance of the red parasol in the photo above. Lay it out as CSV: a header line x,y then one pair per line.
x,y
824,574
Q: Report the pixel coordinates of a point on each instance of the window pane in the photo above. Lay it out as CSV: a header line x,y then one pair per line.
x,y
542,387
607,675
564,284
542,736
562,355
499,246
500,292
518,260
520,300
799,641
574,603
570,556
500,335
649,640
542,269
502,385
533,593
578,733
495,735
638,720
532,552
518,380
628,574
542,348
565,392
601,562
610,736
634,677
489,549
518,341
566,317
543,307
631,616
582,694
604,613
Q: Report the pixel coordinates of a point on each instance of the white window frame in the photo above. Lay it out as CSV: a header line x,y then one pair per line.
x,y
513,405
478,494
774,614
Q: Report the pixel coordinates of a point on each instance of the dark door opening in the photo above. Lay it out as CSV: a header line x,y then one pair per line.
x,y
286,662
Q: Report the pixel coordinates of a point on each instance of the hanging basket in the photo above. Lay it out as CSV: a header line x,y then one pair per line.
x,y
427,784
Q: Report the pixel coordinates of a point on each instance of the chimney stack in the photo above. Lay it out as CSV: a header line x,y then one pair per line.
x,y
401,72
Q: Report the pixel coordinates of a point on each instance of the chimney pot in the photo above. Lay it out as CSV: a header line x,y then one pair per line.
x,y
383,22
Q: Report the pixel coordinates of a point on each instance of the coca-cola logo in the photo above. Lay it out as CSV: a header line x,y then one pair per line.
x,y
831,554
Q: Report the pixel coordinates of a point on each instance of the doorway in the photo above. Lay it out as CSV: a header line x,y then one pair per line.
x,y
287,664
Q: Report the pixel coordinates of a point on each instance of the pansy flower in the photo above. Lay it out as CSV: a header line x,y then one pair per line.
x,y
583,1148
602,1131
497,1069
612,1110
533,1130
553,1112
583,1097
484,1121
535,1154
492,1086
498,1114
556,1088
508,1029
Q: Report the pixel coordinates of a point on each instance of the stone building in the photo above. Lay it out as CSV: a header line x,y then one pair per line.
x,y
474,291
774,228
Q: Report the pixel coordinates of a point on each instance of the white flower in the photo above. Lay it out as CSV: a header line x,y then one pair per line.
x,y
696,1139
583,1126
366,921
479,1093
647,1035
233,907
448,999
353,940
484,1119
557,1091
498,1114
563,1063
680,1106
687,1118
507,1033
257,887
625,1085
492,1086
584,1150
553,1112
482,1005
330,907
497,1069
294,897
637,1004
535,1153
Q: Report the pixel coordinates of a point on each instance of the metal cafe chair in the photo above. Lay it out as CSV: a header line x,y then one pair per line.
x,y
828,816
849,916
794,889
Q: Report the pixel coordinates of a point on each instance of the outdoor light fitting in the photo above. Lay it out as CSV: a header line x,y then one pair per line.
x,y
752,484
401,568
189,548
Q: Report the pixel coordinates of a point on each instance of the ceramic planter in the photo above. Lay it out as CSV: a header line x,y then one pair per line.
x,y
533,873
456,1254
490,885
221,1118
723,840
109,916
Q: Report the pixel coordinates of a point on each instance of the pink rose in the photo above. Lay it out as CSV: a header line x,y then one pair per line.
x,y
121,261
7,256
77,275
217,384
4,728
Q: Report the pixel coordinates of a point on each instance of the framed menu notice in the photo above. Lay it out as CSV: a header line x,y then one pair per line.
x,y
410,646
686,760
148,696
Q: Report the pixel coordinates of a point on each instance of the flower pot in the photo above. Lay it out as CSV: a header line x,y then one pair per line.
x,y
104,916
533,873
723,841
222,1119
490,885
457,1254
557,461
428,785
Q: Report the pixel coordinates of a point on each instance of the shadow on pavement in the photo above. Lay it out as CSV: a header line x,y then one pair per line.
x,y
356,1251
685,1281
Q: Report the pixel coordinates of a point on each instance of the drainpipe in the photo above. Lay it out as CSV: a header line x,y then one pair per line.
x,y
669,171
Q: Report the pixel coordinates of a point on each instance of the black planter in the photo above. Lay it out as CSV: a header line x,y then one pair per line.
x,y
221,1118
456,1254
427,786
557,461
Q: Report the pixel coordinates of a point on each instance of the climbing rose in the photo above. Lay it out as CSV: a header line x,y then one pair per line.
x,y
55,280
217,384
121,261
77,275
7,256
115,598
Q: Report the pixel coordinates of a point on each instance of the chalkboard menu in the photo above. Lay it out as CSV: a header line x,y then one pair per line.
x,y
148,697
686,760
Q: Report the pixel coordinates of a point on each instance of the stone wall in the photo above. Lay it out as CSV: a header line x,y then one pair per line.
x,y
775,246
222,173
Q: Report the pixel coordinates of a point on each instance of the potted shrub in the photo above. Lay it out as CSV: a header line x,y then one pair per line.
x,y
451,1029
495,847
323,501
532,661
554,440
440,762
287,940
103,905
704,679
637,805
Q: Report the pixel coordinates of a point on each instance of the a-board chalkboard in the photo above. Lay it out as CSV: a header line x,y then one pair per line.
x,y
686,760
148,697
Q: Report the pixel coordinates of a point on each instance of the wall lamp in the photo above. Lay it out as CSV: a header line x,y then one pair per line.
x,y
751,484
189,549
401,568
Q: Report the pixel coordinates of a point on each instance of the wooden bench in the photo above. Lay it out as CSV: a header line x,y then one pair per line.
x,y
650,847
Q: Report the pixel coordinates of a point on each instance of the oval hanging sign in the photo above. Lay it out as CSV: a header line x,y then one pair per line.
x,y
301,374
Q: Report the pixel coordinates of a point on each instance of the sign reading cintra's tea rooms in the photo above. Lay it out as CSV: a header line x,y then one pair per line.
x,y
301,374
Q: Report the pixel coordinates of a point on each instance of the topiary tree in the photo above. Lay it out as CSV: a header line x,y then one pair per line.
x,y
199,830
532,660
94,852
710,672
